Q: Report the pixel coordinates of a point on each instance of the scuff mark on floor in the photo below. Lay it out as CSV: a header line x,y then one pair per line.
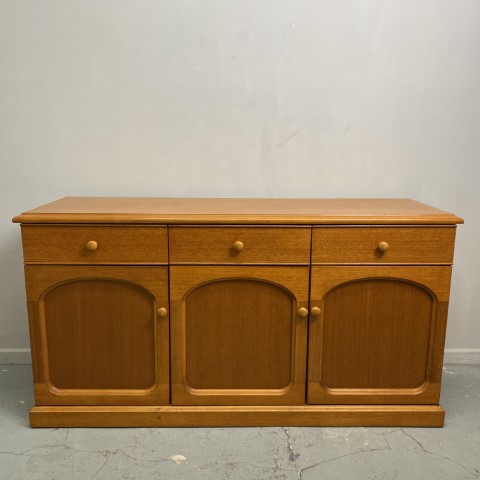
x,y
178,459
292,456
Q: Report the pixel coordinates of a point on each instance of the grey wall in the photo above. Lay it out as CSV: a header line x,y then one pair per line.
x,y
246,98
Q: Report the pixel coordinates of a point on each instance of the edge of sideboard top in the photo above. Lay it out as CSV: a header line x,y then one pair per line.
x,y
295,211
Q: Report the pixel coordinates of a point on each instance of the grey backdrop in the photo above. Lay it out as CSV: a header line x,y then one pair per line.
x,y
279,98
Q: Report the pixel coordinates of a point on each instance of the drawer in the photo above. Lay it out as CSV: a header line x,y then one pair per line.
x,y
416,245
240,245
95,244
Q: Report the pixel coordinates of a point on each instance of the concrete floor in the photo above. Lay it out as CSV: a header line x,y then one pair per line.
x,y
450,453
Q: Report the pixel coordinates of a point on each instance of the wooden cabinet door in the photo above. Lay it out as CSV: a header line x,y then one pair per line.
x,y
96,336
380,334
237,337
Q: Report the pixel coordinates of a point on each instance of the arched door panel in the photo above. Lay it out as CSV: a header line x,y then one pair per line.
x,y
236,335
99,340
380,335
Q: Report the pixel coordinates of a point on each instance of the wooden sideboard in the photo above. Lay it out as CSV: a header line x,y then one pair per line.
x,y
237,312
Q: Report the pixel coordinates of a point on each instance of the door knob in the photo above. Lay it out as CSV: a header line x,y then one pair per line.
x,y
302,312
162,312
238,245
91,245
315,311
383,246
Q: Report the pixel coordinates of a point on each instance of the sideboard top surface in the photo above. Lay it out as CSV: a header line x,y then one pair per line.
x,y
297,211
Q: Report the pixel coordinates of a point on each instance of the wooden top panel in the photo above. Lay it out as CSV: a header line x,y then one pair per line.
x,y
322,211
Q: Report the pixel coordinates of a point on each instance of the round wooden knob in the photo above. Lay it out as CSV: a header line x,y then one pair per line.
x,y
238,245
383,246
315,311
92,245
162,312
302,312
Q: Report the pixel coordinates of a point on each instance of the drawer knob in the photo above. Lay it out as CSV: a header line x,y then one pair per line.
x,y
302,312
383,246
315,311
238,245
92,245
162,312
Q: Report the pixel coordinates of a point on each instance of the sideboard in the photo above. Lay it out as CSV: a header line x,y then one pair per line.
x,y
237,312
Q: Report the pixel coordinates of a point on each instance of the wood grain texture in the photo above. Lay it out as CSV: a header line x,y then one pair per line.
x,y
215,245
100,334
236,335
97,339
116,244
379,336
354,211
211,416
239,335
414,245
241,281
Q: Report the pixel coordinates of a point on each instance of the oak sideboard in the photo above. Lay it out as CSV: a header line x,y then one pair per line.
x,y
237,312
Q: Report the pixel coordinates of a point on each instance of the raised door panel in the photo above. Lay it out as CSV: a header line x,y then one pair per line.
x,y
237,338
380,335
97,339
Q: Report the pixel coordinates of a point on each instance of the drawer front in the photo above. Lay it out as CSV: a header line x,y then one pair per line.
x,y
416,245
118,245
240,245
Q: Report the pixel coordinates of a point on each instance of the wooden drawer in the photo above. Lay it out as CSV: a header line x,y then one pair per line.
x,y
118,245
415,245
259,245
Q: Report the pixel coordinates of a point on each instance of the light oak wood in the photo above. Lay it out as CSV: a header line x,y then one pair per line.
x,y
415,245
238,335
355,211
250,416
381,334
216,245
95,244
204,312
96,339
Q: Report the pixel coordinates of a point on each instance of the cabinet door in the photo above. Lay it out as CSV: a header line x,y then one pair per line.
x,y
237,335
96,336
380,334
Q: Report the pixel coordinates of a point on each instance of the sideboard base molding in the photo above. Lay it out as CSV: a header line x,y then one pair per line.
x,y
231,416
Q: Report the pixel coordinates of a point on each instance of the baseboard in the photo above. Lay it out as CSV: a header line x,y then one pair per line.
x,y
241,416
460,356
19,356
